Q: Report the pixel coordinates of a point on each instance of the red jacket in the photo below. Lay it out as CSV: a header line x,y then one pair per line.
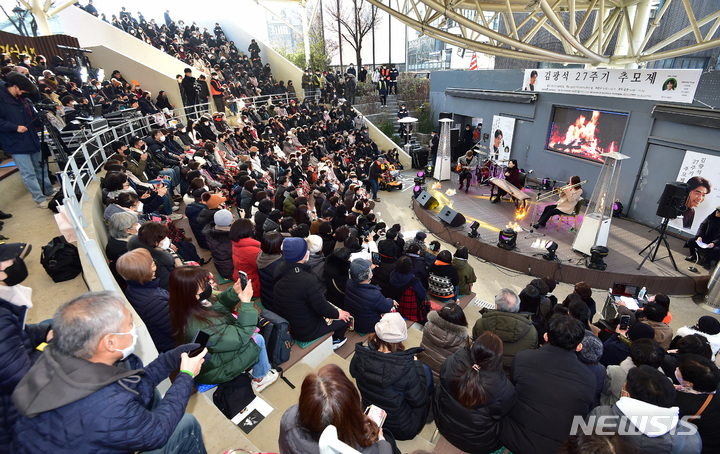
x,y
244,255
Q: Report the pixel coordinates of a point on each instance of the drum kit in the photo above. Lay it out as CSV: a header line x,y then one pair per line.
x,y
491,166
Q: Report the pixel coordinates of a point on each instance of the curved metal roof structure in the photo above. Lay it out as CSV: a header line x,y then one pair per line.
x,y
585,30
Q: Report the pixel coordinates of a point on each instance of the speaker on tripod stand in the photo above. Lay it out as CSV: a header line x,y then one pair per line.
x,y
670,206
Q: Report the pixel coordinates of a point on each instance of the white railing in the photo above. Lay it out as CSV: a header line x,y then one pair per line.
x,y
84,165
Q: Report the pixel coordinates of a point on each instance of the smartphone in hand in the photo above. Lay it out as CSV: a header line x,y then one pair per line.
x,y
377,414
202,338
243,278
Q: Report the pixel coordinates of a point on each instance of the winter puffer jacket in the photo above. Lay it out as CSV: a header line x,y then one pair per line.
x,y
244,254
220,245
17,353
192,211
440,340
471,430
396,383
366,303
151,304
466,275
266,265
516,331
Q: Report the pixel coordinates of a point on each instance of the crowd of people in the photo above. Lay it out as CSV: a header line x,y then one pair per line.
x,y
285,201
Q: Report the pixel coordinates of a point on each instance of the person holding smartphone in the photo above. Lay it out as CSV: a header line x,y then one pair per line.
x,y
233,343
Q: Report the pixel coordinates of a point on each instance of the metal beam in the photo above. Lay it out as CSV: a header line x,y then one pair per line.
x,y
693,22
557,23
676,36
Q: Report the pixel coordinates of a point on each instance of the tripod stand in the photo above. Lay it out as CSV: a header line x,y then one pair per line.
x,y
653,247
532,220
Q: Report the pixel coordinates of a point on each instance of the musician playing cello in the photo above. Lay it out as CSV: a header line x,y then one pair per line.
x,y
570,196
467,165
512,176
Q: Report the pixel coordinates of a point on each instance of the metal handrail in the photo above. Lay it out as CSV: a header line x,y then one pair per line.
x,y
83,166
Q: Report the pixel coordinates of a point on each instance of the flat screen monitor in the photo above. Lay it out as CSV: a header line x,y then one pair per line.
x,y
585,133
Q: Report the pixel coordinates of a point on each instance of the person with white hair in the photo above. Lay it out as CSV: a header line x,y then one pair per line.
x,y
89,382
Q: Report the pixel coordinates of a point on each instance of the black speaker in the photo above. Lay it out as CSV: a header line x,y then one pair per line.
x,y
427,201
672,200
452,217
445,115
455,148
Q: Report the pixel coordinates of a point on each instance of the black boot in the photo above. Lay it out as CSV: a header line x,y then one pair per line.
x,y
4,215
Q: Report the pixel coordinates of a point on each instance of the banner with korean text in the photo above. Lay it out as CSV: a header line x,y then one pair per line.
x,y
669,85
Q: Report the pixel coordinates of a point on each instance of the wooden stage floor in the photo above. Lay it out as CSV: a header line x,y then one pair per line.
x,y
627,238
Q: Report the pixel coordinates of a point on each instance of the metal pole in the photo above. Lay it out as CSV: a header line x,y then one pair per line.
x,y
339,32
373,36
389,35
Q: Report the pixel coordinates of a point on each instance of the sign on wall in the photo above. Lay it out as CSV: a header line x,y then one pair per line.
x,y
501,138
670,85
700,171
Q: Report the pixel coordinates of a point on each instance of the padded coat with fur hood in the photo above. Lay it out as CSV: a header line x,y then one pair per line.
x,y
441,339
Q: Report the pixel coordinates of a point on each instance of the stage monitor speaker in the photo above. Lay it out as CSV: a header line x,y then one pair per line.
x,y
672,200
455,150
427,201
452,217
445,115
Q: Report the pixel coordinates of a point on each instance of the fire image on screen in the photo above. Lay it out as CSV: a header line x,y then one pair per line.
x,y
585,133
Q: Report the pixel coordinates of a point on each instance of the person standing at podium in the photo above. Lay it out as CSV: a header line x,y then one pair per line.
x,y
570,196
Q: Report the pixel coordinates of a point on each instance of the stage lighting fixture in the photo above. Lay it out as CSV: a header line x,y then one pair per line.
x,y
473,229
507,239
421,174
429,169
550,247
595,261
417,189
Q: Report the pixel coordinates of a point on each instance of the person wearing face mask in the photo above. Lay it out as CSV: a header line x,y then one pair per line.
x,y
19,136
153,237
234,345
100,392
19,342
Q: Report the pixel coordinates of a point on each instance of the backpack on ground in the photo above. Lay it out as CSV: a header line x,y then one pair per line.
x,y
276,331
61,259
233,396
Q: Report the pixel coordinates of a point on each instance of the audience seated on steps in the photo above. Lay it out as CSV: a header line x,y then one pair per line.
x,y
473,396
445,332
328,397
389,376
363,300
298,297
516,330
217,236
144,293
234,345
100,392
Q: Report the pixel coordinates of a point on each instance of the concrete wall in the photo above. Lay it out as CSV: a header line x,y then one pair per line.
x,y
532,121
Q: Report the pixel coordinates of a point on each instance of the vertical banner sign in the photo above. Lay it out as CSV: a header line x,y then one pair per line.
x,y
501,138
700,172
669,85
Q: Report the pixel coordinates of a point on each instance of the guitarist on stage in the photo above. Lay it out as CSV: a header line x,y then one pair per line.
x,y
466,166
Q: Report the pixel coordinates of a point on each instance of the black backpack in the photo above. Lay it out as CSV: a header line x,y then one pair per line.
x,y
233,396
276,331
61,260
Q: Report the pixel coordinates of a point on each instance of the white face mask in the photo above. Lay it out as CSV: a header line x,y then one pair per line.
x,y
162,138
139,208
131,348
182,130
26,61
165,244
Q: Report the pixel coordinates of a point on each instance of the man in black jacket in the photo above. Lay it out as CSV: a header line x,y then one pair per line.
x,y
298,297
551,387
189,89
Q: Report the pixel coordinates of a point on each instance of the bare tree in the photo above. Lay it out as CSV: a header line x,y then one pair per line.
x,y
352,22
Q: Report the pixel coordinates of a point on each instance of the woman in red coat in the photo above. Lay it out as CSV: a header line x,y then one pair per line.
x,y
245,250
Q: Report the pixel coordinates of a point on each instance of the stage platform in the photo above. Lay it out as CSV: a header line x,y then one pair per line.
x,y
627,238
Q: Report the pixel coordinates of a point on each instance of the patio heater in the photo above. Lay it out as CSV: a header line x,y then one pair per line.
x,y
444,156
595,227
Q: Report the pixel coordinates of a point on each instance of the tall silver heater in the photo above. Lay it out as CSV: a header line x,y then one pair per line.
x,y
595,227
443,162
